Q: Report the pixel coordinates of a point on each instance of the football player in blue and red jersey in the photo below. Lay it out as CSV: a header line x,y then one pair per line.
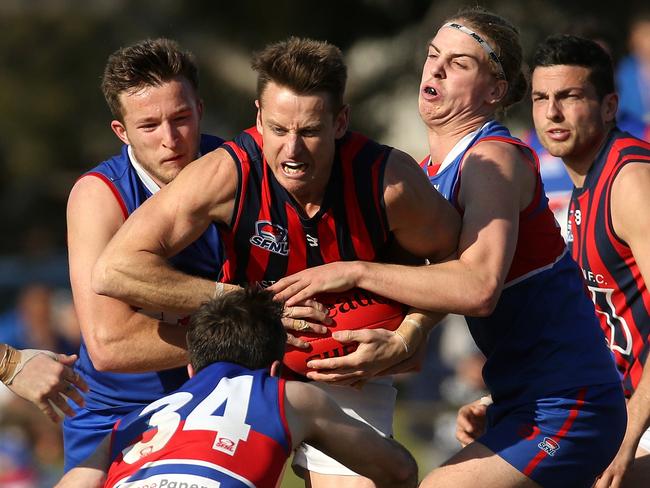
x,y
558,413
574,110
234,423
295,191
130,357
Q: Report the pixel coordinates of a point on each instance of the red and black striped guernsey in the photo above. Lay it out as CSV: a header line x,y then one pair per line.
x,y
608,265
270,237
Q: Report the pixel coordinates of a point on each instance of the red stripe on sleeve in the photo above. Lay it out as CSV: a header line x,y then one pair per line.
x,y
283,415
114,190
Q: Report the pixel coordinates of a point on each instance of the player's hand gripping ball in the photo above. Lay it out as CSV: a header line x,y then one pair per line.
x,y
350,310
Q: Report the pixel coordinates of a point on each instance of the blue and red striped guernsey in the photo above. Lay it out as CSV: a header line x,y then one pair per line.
x,y
269,236
543,320
608,265
225,427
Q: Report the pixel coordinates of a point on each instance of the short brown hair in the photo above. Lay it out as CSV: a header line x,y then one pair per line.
x,y
305,66
147,63
503,37
242,327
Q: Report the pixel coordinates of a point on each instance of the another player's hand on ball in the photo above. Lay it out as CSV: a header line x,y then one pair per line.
x,y
328,278
306,316
470,422
412,364
378,350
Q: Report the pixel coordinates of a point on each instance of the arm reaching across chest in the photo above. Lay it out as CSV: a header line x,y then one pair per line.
x,y
134,266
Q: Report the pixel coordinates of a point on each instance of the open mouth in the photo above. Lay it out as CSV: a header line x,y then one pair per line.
x,y
429,90
293,167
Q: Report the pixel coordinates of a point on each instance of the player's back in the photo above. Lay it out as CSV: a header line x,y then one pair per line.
x,y
225,427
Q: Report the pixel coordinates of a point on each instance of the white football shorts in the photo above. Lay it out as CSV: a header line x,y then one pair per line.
x,y
374,404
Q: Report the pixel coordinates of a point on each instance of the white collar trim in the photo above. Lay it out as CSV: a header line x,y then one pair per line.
x,y
145,178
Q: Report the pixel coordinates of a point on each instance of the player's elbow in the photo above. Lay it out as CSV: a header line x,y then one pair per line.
x,y
484,298
102,278
104,352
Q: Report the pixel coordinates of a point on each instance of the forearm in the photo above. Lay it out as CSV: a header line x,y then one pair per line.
x,y
638,411
415,328
142,344
82,476
451,287
148,281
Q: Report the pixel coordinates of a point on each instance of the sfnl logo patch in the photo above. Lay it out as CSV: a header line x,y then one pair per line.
x,y
271,237
549,446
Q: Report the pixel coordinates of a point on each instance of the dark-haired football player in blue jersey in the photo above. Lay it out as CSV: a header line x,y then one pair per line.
x,y
235,423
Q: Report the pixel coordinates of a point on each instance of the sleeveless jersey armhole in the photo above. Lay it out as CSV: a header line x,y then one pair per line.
x,y
238,155
114,190
283,417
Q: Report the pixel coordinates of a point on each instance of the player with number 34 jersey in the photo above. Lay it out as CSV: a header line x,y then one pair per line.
x,y
241,419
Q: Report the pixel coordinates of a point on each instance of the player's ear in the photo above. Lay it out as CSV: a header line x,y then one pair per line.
x,y
120,131
609,107
342,121
190,371
199,108
276,368
258,118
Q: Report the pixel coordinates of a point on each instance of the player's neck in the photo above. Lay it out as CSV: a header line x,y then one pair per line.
x,y
442,139
310,202
578,166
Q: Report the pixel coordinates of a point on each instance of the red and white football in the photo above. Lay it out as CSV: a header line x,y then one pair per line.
x,y
350,310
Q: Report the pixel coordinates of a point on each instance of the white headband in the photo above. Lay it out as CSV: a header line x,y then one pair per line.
x,y
482,42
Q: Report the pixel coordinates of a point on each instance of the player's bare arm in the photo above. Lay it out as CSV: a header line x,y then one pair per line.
x,y
631,220
315,418
423,223
134,265
118,338
472,283
406,192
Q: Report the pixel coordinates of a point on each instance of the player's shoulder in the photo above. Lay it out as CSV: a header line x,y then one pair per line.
x,y
304,397
94,193
633,177
496,150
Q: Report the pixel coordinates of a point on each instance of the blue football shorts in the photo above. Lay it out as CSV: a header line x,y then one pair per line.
x,y
563,440
83,433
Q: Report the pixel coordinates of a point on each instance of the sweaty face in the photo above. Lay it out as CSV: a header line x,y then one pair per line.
x,y
299,133
457,81
161,123
569,119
